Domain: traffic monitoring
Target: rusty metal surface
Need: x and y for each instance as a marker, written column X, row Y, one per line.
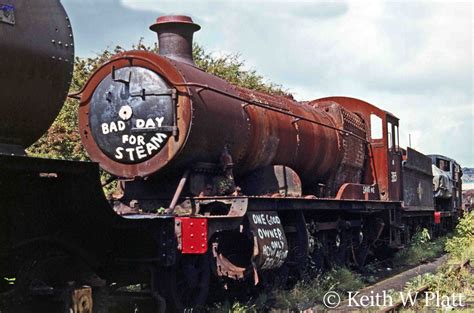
column 376, row 170
column 214, row 117
column 266, row 203
column 350, row 191
column 253, row 139
column 353, row 156
column 82, row 300
column 327, row 142
column 225, row 268
column 279, row 139
column 276, row 181
column 235, row 206
column 36, row 62
column 175, row 36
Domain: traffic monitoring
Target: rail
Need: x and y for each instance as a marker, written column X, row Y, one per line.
column 397, row 305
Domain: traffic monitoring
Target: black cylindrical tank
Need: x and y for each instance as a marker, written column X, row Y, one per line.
column 36, row 63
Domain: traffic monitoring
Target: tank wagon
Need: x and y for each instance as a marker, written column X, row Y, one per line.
column 216, row 182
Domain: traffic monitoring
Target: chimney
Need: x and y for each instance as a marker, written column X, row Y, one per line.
column 175, row 37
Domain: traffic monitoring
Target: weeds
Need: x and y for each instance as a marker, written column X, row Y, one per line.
column 306, row 294
column 461, row 246
column 303, row 295
column 421, row 249
column 450, row 279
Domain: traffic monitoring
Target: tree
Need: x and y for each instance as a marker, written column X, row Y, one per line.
column 62, row 140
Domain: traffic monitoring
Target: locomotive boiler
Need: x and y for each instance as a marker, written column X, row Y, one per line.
column 144, row 114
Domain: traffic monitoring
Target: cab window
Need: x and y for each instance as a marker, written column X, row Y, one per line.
column 390, row 135
column 396, row 138
column 376, row 130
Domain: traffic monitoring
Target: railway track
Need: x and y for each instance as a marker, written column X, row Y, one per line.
column 366, row 299
column 377, row 295
column 399, row 304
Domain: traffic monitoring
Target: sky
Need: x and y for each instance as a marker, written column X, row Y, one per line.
column 411, row 58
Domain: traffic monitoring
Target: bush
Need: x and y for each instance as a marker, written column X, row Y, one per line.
column 461, row 246
column 420, row 249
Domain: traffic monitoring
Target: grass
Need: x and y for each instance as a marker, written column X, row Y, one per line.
column 421, row 249
column 449, row 279
column 307, row 294
column 304, row 295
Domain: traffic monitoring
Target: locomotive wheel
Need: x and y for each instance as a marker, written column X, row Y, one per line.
column 185, row 285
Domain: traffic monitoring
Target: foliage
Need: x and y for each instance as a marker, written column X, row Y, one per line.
column 235, row 307
column 62, row 140
column 307, row 294
column 421, row 237
column 462, row 244
column 303, row 295
column 450, row 278
column 421, row 249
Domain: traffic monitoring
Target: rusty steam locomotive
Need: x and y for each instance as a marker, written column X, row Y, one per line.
column 216, row 182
